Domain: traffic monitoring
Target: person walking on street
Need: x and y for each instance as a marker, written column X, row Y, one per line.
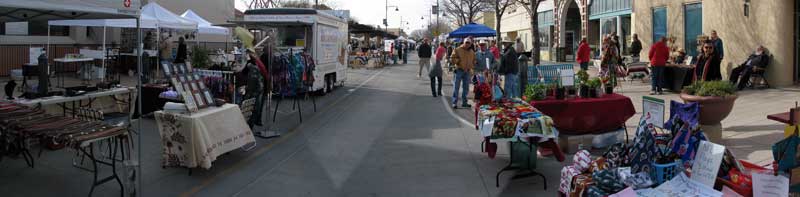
column 485, row 58
column 707, row 66
column 464, row 59
column 405, row 52
column 584, row 54
column 719, row 48
column 509, row 67
column 424, row 53
column 435, row 73
column 636, row 47
column 393, row 53
column 659, row 53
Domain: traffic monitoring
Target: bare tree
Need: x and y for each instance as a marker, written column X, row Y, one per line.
column 500, row 7
column 464, row 11
column 323, row 5
column 531, row 6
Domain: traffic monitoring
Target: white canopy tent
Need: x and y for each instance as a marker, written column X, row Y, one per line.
column 153, row 16
column 203, row 26
column 45, row 10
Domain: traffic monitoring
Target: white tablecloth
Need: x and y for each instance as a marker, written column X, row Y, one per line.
column 197, row 139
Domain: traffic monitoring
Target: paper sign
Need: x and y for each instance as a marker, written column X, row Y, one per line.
column 487, row 126
column 706, row 163
column 567, row 77
column 653, row 109
column 627, row 192
column 768, row 185
column 650, row 192
column 728, row 192
column 683, row 186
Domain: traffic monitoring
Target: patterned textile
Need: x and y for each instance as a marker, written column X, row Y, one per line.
column 608, row 181
column 567, row 173
column 198, row 139
column 637, row 181
column 685, row 144
column 599, row 164
column 580, row 184
column 616, row 155
column 643, row 152
column 688, row 113
column 596, row 191
column 582, row 160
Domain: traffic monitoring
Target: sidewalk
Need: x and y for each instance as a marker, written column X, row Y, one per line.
column 746, row 131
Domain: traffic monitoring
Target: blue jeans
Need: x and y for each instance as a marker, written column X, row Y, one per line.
column 657, row 78
column 462, row 79
column 512, row 86
column 585, row 66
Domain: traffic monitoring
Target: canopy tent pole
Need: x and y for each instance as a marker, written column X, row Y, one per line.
column 158, row 48
column 139, row 133
column 47, row 49
column 105, row 52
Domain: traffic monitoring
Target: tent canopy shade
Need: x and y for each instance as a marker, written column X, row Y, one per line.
column 152, row 16
column 474, row 30
column 28, row 10
column 203, row 26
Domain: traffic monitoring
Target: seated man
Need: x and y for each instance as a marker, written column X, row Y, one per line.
column 757, row 62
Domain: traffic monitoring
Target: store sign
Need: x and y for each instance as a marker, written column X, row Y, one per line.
column 653, row 109
column 706, row 163
column 280, row 18
column 765, row 184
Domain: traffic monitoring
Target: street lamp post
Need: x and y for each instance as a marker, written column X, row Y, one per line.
column 386, row 17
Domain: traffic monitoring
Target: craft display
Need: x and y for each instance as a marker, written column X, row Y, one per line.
column 678, row 162
column 189, row 85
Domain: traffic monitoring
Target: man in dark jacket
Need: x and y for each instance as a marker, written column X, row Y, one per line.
column 636, row 46
column 510, row 68
column 757, row 62
column 424, row 53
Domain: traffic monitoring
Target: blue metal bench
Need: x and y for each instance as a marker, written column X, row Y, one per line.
column 546, row 74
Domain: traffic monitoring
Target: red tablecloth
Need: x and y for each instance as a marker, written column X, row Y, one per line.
column 587, row 115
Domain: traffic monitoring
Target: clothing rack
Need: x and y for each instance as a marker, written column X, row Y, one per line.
column 226, row 76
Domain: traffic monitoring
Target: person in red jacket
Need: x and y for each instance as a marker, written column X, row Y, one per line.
column 659, row 53
column 584, row 53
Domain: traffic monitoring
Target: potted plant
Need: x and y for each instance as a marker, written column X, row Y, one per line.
column 607, row 85
column 716, row 99
column 582, row 78
column 593, row 85
column 536, row 92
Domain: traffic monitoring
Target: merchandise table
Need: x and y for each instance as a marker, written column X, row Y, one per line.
column 192, row 140
column 59, row 65
column 588, row 115
column 523, row 128
column 90, row 97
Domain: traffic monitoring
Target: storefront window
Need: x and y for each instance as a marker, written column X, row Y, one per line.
column 544, row 38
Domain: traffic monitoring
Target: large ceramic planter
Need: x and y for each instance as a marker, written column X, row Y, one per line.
column 713, row 109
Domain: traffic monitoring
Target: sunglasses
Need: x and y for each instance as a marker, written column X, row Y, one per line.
column 708, row 47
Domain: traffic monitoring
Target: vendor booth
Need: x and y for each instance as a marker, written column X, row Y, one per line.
column 28, row 123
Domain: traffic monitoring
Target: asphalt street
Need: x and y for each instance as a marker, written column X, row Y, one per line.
column 381, row 134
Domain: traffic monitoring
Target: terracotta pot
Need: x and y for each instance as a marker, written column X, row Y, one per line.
column 713, row 109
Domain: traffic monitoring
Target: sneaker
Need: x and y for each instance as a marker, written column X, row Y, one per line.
column 455, row 106
column 466, row 105
column 653, row 92
column 434, row 95
column 660, row 92
column 440, row 94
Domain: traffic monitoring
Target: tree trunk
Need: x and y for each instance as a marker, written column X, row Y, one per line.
column 498, row 15
column 535, row 33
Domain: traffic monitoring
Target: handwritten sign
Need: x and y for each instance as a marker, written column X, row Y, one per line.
column 706, row 163
column 486, row 127
column 650, row 192
column 768, row 185
column 627, row 192
column 683, row 186
column 653, row 109
column 728, row 192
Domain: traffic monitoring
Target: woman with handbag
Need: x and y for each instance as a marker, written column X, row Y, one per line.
column 609, row 61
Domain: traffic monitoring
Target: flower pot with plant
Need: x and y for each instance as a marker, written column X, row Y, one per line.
column 716, row 99
column 593, row 86
column 536, row 92
column 582, row 78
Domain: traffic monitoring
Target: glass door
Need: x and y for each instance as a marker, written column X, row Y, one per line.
column 659, row 23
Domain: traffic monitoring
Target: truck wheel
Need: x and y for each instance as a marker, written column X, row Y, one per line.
column 329, row 84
